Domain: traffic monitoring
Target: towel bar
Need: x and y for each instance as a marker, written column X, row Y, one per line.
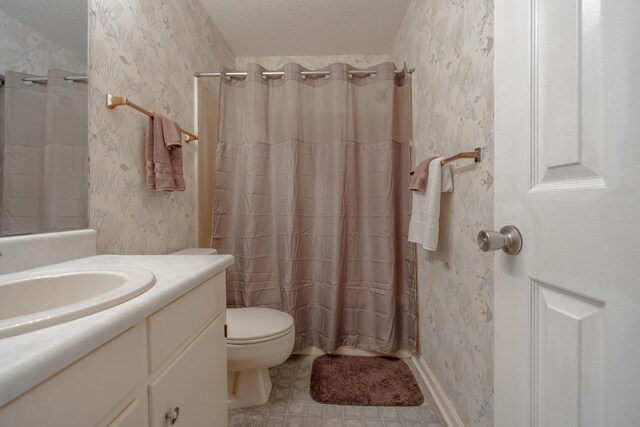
column 475, row 154
column 116, row 101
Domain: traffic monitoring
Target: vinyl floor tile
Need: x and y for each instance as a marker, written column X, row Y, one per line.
column 290, row 405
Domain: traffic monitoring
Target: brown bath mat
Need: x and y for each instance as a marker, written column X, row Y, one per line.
column 363, row 381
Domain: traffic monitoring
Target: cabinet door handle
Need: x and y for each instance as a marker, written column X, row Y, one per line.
column 173, row 415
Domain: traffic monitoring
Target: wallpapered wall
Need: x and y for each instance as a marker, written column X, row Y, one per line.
column 25, row 50
column 147, row 50
column 450, row 45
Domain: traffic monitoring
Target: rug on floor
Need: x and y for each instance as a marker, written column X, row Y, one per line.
column 363, row 381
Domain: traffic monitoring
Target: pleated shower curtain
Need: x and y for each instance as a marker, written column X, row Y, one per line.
column 43, row 153
column 312, row 200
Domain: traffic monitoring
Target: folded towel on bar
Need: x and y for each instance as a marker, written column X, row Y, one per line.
column 420, row 176
column 163, row 152
column 425, row 210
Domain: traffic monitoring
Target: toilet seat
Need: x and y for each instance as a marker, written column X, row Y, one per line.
column 252, row 325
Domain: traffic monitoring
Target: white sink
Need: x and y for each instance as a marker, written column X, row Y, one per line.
column 44, row 299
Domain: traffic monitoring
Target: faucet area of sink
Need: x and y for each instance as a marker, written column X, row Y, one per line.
column 43, row 299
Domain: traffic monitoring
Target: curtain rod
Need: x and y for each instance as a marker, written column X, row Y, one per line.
column 230, row 74
column 44, row 79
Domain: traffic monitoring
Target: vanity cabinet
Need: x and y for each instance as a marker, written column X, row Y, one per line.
column 188, row 358
column 172, row 364
column 190, row 392
column 89, row 392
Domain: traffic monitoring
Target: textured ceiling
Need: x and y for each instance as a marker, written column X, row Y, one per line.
column 307, row 27
column 62, row 21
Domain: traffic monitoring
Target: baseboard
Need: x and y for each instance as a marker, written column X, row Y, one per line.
column 448, row 412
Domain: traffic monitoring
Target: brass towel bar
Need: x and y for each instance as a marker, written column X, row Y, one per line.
column 116, row 101
column 475, row 155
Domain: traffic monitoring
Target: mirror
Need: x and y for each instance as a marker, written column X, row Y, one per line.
column 43, row 116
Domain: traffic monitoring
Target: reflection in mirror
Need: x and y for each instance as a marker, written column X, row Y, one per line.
column 43, row 116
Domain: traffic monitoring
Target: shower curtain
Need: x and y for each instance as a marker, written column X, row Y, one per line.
column 43, row 149
column 312, row 200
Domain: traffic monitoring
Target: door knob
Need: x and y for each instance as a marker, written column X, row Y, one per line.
column 173, row 415
column 508, row 239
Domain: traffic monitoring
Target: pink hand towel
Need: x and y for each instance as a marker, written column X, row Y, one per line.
column 148, row 154
column 172, row 135
column 420, row 176
column 164, row 154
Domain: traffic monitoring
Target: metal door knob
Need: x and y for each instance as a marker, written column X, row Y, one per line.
column 508, row 239
column 173, row 415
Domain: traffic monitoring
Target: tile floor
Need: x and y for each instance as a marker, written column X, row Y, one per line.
column 290, row 405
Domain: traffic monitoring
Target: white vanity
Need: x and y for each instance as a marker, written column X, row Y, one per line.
column 158, row 359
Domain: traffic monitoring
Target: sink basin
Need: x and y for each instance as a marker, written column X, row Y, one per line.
column 45, row 299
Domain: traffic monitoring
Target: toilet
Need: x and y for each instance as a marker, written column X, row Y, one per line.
column 257, row 339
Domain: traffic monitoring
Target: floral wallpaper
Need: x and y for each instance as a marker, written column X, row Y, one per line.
column 450, row 43
column 25, row 50
column 311, row 62
column 147, row 50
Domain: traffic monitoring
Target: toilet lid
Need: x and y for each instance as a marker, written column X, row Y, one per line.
column 251, row 323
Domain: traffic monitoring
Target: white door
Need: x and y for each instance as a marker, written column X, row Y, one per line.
column 567, row 169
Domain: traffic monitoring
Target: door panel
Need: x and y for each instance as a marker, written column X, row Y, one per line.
column 558, row 81
column 567, row 347
column 565, row 87
column 567, row 123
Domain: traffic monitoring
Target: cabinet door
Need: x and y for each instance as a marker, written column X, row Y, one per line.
column 86, row 392
column 172, row 327
column 195, row 382
column 132, row 416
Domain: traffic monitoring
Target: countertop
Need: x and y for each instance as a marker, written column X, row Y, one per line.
column 28, row 359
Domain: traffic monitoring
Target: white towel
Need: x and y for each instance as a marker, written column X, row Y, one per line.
column 425, row 210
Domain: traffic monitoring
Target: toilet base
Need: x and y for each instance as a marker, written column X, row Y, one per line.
column 248, row 388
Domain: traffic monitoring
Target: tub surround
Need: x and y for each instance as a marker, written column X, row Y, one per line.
column 30, row 358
